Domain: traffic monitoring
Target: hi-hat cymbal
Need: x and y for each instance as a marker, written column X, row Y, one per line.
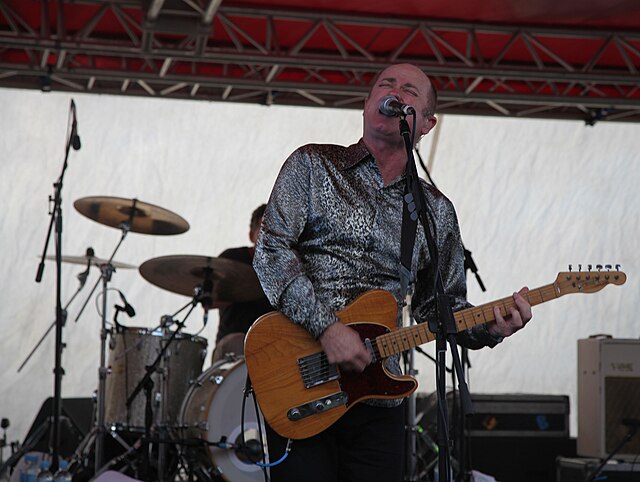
column 93, row 260
column 143, row 217
column 232, row 281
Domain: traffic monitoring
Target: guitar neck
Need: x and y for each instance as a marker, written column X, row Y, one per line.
column 410, row 337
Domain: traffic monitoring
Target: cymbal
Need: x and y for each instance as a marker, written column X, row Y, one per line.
column 94, row 261
column 144, row 218
column 233, row 281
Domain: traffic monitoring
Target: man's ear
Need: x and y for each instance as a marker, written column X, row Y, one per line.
column 430, row 124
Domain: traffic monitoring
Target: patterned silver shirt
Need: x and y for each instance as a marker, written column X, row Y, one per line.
column 331, row 231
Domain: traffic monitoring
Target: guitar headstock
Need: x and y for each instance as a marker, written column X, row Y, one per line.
column 588, row 281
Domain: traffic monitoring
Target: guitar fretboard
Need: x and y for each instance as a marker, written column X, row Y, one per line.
column 410, row 337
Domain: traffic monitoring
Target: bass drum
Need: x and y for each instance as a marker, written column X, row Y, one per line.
column 212, row 411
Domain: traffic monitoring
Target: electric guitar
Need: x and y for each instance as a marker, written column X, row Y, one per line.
column 301, row 394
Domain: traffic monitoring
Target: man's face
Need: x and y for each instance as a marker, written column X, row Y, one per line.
column 410, row 86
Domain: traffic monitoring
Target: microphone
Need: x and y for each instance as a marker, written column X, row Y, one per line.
column 82, row 277
column 392, row 107
column 252, row 448
column 128, row 309
column 75, row 138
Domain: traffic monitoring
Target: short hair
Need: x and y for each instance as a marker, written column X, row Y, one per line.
column 256, row 216
column 432, row 95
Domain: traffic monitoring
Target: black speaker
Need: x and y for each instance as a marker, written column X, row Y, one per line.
column 519, row 459
column 75, row 422
column 581, row 469
column 512, row 437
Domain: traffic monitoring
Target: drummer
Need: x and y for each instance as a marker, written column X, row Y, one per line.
column 236, row 318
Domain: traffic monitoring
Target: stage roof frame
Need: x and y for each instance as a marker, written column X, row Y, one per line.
column 504, row 58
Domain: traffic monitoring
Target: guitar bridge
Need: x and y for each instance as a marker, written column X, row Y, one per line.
column 315, row 370
column 316, row 406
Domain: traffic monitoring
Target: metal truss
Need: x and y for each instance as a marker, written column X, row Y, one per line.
column 199, row 49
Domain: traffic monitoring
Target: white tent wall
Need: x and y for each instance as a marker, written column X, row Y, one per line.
column 532, row 196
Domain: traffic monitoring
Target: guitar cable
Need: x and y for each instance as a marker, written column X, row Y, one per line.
column 248, row 390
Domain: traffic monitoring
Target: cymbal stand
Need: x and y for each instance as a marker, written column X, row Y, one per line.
column 106, row 271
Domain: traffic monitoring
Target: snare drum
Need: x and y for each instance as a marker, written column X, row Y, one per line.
column 130, row 352
column 212, row 409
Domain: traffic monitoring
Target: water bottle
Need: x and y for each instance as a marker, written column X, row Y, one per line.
column 45, row 475
column 29, row 471
column 62, row 475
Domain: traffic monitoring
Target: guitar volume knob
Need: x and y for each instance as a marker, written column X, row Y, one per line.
column 295, row 414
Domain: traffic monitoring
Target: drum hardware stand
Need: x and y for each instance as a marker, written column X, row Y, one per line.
column 147, row 384
column 106, row 271
column 56, row 219
column 82, row 278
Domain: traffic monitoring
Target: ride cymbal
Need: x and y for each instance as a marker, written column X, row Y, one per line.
column 230, row 281
column 142, row 217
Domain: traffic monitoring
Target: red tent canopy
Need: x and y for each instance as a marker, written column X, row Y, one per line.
column 557, row 59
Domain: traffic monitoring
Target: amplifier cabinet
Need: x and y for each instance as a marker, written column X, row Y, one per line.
column 505, row 415
column 570, row 469
column 608, row 392
column 522, row 415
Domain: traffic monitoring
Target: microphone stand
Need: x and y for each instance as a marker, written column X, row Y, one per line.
column 630, row 434
column 443, row 326
column 463, row 440
column 56, row 220
column 146, row 384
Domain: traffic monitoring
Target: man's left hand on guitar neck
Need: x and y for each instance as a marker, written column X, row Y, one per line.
column 505, row 326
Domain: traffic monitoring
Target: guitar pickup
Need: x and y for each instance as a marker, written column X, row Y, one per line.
column 317, row 406
column 315, row 370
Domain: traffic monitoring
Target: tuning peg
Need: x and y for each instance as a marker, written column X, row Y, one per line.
column 589, row 266
column 570, row 268
column 617, row 267
column 579, row 267
column 599, row 267
column 608, row 267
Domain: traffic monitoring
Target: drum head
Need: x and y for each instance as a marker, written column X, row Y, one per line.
column 213, row 410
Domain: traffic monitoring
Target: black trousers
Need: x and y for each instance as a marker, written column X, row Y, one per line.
column 366, row 444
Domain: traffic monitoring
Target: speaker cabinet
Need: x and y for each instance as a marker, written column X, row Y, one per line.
column 75, row 422
column 608, row 392
column 580, row 470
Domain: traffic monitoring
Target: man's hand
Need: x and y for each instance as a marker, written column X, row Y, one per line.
column 507, row 326
column 344, row 347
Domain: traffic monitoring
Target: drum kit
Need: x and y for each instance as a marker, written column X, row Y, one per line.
column 158, row 415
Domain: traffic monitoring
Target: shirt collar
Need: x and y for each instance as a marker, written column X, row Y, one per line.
column 354, row 154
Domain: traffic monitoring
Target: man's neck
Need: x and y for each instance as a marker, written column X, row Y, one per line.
column 390, row 158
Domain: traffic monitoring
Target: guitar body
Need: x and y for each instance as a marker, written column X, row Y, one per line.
column 274, row 345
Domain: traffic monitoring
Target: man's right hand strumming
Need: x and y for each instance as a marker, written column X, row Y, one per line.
column 344, row 347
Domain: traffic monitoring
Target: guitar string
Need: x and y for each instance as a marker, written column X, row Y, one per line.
column 317, row 365
column 393, row 342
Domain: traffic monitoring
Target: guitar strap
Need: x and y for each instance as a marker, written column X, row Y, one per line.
column 407, row 238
